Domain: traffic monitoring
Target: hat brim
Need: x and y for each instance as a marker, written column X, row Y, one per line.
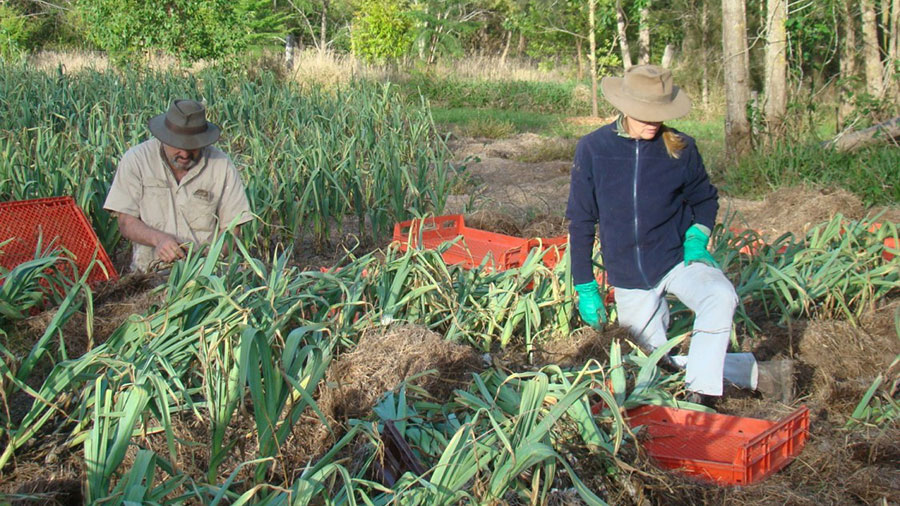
column 157, row 125
column 644, row 111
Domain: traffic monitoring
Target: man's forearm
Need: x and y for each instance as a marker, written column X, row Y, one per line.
column 134, row 229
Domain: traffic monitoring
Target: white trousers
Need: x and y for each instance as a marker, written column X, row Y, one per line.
column 707, row 292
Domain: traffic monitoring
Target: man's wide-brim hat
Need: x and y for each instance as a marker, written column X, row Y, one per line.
column 646, row 93
column 184, row 126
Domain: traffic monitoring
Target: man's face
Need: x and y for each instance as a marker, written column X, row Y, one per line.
column 181, row 159
column 638, row 129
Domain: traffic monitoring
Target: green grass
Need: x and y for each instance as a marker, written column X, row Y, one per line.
column 521, row 121
column 542, row 97
column 870, row 173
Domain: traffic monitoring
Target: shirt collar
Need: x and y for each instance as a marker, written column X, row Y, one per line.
column 620, row 127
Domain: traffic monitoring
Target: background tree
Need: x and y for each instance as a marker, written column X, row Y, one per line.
column 737, row 90
column 776, row 64
column 871, row 51
column 847, row 77
column 382, row 30
column 188, row 29
column 622, row 31
column 644, row 33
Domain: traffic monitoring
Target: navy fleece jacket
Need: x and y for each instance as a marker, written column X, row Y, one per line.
column 642, row 200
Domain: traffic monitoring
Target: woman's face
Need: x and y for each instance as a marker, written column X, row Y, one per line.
column 642, row 129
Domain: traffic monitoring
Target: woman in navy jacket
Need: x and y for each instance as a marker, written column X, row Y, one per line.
column 644, row 188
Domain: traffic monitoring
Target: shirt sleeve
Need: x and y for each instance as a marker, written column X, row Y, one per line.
column 582, row 213
column 234, row 203
column 699, row 192
column 126, row 191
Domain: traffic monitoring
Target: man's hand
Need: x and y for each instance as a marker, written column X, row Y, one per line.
column 695, row 241
column 590, row 305
column 167, row 248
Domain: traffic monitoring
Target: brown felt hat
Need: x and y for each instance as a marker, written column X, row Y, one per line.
column 646, row 93
column 184, row 126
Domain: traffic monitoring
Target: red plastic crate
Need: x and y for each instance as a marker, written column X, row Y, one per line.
column 889, row 244
column 56, row 220
column 721, row 448
column 504, row 251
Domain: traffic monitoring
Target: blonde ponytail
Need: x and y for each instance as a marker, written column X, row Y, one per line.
column 674, row 142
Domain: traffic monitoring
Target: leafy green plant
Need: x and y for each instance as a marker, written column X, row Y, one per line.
column 186, row 29
column 382, row 30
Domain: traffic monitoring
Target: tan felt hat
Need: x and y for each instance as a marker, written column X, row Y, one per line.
column 184, row 126
column 646, row 93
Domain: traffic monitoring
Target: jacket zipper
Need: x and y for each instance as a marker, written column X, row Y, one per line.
column 634, row 197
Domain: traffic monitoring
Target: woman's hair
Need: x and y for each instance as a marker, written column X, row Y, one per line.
column 674, row 142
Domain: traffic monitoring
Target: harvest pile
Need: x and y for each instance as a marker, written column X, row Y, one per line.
column 249, row 379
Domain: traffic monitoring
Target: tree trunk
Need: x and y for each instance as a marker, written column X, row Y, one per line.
column 871, row 53
column 520, row 48
column 506, row 47
column 579, row 58
column 621, row 24
column 847, row 35
column 704, row 54
column 737, row 90
column 644, row 34
column 892, row 78
column 776, row 64
column 887, row 131
column 323, row 40
column 668, row 56
column 289, row 44
column 592, row 57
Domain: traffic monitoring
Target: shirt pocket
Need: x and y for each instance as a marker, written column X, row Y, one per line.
column 156, row 199
column 201, row 211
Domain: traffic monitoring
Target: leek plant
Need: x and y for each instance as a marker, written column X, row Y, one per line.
column 312, row 160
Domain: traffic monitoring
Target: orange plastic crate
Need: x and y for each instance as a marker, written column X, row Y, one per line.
column 56, row 220
column 503, row 251
column 721, row 448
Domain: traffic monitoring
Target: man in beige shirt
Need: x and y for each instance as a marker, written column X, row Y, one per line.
column 176, row 188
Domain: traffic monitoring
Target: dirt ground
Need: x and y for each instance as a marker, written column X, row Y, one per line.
column 835, row 361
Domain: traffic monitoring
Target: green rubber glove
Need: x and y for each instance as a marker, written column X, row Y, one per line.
column 590, row 305
column 695, row 240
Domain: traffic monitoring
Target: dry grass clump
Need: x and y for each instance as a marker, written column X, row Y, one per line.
column 494, row 221
column 579, row 347
column 847, row 358
column 795, row 210
column 493, row 68
column 549, row 149
column 546, row 225
column 590, row 121
column 114, row 302
column 329, row 70
column 384, row 358
column 73, row 62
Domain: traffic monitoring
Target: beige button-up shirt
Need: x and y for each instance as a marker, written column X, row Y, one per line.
column 208, row 198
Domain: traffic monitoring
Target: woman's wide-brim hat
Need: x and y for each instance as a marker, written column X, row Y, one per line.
column 184, row 126
column 646, row 93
